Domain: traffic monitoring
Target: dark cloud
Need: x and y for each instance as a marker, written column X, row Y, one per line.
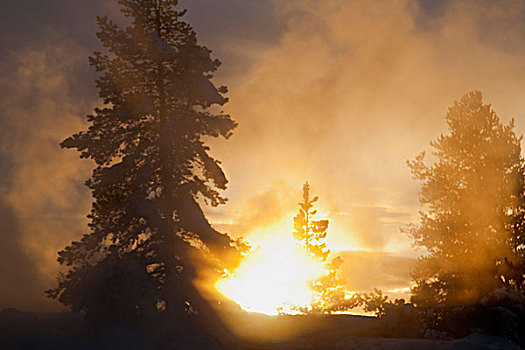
column 233, row 20
column 233, row 29
column 29, row 22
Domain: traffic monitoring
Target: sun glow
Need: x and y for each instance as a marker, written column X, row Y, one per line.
column 275, row 274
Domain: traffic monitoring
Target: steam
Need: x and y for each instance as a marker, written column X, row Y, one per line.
column 43, row 193
column 341, row 94
column 352, row 90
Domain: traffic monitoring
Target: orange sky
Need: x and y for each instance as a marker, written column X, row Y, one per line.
column 350, row 92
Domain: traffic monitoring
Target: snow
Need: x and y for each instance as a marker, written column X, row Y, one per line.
column 475, row 341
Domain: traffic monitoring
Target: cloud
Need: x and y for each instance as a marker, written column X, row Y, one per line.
column 237, row 31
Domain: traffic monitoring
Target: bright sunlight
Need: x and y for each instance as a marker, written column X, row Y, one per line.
column 289, row 270
column 275, row 274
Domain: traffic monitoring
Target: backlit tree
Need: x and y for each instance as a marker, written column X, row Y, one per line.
column 328, row 290
column 147, row 229
column 472, row 218
column 310, row 232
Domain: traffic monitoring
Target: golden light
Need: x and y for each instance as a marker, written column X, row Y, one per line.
column 275, row 274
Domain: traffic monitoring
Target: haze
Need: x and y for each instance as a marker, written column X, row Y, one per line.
column 339, row 93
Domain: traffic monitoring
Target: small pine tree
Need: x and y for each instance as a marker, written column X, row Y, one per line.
column 310, row 232
column 328, row 290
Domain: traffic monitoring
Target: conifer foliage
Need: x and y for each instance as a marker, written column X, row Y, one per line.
column 310, row 232
column 473, row 209
column 328, row 290
column 152, row 166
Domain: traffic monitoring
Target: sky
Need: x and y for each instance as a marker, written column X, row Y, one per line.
column 339, row 93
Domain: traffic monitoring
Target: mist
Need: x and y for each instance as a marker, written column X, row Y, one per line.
column 43, row 199
column 338, row 93
column 353, row 90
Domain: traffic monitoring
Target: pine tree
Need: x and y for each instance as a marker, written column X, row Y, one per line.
column 309, row 231
column 472, row 221
column 147, row 229
column 328, row 290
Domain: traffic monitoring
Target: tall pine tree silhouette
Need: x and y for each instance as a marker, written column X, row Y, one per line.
column 152, row 165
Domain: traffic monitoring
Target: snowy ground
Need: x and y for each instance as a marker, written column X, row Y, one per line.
column 474, row 342
column 64, row 331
